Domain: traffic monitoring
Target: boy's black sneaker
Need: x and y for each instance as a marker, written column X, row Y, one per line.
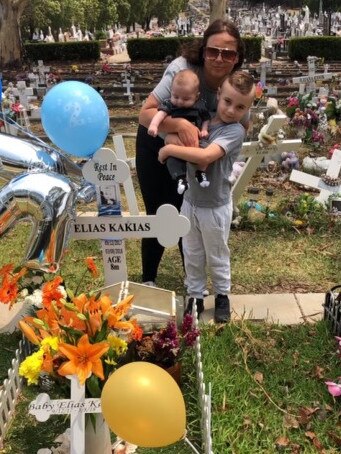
column 182, row 185
column 201, row 178
column 222, row 312
column 199, row 303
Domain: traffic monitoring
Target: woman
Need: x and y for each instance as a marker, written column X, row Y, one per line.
column 220, row 52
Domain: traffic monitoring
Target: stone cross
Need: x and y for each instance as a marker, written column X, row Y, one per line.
column 264, row 67
column 256, row 151
column 103, row 169
column 23, row 92
column 77, row 406
column 127, row 83
column 42, row 71
column 316, row 182
column 309, row 80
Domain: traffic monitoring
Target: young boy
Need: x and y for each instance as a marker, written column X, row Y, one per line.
column 210, row 210
column 185, row 103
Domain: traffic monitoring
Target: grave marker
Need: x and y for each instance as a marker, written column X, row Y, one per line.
column 313, row 181
column 42, row 71
column 104, row 168
column 256, row 151
column 23, row 93
column 77, row 406
column 308, row 82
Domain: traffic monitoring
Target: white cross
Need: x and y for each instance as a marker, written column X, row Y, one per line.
column 256, row 151
column 264, row 66
column 43, row 407
column 42, row 70
column 317, row 182
column 311, row 78
column 23, row 92
column 128, row 85
column 103, row 169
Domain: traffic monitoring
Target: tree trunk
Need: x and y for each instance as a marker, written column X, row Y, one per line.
column 217, row 9
column 10, row 39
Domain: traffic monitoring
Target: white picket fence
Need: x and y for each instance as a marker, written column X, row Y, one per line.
column 11, row 388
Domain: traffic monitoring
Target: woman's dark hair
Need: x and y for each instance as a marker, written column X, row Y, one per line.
column 193, row 51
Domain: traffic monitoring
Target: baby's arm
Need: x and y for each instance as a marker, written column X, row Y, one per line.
column 204, row 129
column 154, row 125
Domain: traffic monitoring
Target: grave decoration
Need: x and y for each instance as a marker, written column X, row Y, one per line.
column 84, row 337
column 314, row 119
column 327, row 184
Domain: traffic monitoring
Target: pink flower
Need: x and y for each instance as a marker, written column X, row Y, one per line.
column 334, row 388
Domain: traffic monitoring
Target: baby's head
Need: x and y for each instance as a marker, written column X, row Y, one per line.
column 185, row 88
column 235, row 96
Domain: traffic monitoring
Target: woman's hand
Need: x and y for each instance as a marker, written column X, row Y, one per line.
column 163, row 154
column 188, row 133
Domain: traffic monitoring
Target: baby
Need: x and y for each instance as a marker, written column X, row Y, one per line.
column 185, row 103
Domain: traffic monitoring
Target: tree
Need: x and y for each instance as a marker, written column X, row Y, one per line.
column 217, row 9
column 10, row 37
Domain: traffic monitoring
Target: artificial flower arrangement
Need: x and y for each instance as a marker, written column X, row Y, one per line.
column 86, row 334
column 314, row 117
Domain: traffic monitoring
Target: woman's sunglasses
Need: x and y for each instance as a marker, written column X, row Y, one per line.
column 227, row 55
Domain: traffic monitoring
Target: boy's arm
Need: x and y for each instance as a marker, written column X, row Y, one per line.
column 196, row 155
column 154, row 124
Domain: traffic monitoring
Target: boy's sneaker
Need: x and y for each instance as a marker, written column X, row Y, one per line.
column 199, row 303
column 222, row 312
column 201, row 178
column 182, row 185
column 205, row 293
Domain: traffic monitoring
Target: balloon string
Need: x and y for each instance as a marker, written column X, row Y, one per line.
column 191, row 445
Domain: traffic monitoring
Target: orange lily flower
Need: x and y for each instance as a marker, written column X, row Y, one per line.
column 117, row 312
column 29, row 332
column 90, row 263
column 51, row 318
column 84, row 359
column 51, row 291
column 9, row 288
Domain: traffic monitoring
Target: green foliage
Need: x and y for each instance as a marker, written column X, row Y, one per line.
column 327, row 47
column 78, row 50
column 158, row 48
column 153, row 49
column 253, row 47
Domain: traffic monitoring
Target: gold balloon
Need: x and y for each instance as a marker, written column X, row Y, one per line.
column 143, row 405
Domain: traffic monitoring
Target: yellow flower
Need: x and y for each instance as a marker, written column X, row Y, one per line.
column 119, row 346
column 51, row 341
column 30, row 368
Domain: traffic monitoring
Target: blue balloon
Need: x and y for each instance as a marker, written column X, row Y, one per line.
column 75, row 118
